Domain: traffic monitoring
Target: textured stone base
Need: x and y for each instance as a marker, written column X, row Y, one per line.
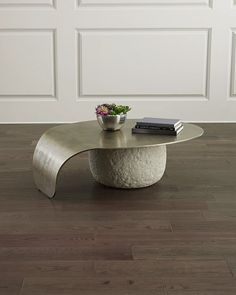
column 128, row 168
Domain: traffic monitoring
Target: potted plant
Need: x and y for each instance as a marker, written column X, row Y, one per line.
column 111, row 117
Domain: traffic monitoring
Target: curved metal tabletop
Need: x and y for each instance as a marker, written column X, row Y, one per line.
column 60, row 143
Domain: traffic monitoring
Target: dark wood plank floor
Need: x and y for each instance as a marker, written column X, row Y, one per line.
column 177, row 237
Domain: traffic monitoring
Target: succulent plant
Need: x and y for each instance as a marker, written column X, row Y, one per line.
column 111, row 109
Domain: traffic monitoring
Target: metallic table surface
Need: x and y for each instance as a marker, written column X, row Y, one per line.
column 60, row 143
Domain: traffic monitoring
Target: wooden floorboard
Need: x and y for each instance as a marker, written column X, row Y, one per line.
column 177, row 237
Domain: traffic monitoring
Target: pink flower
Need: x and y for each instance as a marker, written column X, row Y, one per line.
column 102, row 110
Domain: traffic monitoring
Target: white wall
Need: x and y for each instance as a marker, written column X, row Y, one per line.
column 166, row 58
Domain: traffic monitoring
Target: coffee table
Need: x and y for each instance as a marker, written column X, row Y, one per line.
column 117, row 159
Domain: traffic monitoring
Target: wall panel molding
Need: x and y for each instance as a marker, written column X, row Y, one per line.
column 27, row 3
column 179, row 3
column 199, row 90
column 233, row 68
column 28, row 67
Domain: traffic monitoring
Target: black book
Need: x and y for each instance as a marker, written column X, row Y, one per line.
column 160, row 127
column 160, row 122
column 156, row 132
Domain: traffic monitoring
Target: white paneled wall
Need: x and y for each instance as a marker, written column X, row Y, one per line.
column 27, row 63
column 166, row 58
column 233, row 72
column 125, row 70
column 144, row 2
column 16, row 3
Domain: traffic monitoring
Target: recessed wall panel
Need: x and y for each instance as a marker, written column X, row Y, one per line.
column 233, row 71
column 26, row 3
column 143, row 63
column 144, row 2
column 27, row 63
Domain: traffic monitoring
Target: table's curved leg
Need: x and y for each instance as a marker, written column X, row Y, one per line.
column 49, row 157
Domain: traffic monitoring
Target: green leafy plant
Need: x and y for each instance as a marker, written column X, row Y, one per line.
column 112, row 109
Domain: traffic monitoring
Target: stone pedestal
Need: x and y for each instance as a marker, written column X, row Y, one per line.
column 128, row 168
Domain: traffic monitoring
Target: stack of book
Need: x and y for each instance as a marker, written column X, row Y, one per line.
column 158, row 126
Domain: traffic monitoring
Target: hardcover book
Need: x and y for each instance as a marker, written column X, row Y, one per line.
column 157, row 132
column 159, row 127
column 158, row 122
